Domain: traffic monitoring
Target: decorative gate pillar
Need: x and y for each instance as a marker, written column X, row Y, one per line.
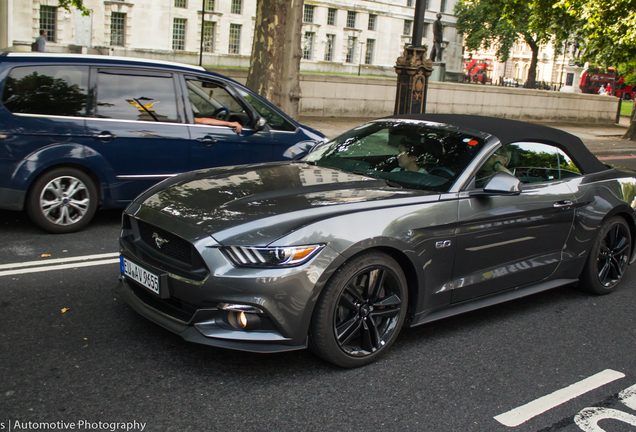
column 413, row 69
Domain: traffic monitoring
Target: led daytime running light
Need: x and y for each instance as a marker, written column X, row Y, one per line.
column 271, row 256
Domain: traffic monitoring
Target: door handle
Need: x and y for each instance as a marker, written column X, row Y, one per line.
column 563, row 204
column 104, row 136
column 206, row 140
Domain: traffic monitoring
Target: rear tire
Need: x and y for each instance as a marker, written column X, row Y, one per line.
column 62, row 200
column 360, row 311
column 608, row 257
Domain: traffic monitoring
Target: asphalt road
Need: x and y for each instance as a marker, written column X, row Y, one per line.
column 71, row 351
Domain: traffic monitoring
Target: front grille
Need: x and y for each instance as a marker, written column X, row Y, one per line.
column 171, row 245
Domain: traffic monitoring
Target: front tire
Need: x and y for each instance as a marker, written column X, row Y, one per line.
column 608, row 257
column 62, row 200
column 360, row 311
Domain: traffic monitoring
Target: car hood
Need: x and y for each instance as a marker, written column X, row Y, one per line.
column 256, row 204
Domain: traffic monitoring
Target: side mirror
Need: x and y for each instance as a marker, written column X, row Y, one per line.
column 260, row 124
column 500, row 184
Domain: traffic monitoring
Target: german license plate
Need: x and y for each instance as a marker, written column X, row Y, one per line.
column 140, row 274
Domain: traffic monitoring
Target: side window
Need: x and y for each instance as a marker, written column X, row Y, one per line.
column 530, row 163
column 126, row 96
column 274, row 120
column 209, row 99
column 48, row 90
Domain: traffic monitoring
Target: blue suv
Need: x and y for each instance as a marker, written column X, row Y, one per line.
column 80, row 132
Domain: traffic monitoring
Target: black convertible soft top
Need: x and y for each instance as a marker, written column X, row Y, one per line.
column 511, row 131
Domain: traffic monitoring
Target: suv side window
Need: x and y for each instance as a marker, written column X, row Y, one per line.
column 209, row 99
column 47, row 90
column 129, row 96
column 274, row 120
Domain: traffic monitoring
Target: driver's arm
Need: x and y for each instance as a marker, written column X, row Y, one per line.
column 216, row 122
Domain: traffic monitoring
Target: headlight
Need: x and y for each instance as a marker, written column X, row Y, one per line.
column 287, row 256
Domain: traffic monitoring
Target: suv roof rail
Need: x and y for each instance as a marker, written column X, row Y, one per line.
column 101, row 57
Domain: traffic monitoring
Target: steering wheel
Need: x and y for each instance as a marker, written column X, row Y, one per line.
column 225, row 116
column 442, row 172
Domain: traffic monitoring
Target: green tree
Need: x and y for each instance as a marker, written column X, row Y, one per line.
column 608, row 34
column 503, row 22
column 79, row 4
column 276, row 52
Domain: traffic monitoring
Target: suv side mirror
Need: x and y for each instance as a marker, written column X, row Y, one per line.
column 500, row 183
column 260, row 124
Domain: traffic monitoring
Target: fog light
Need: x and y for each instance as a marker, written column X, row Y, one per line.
column 244, row 321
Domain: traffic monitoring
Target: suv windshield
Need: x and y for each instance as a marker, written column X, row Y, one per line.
column 415, row 154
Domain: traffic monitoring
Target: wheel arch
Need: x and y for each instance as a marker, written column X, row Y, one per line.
column 94, row 178
column 403, row 261
column 627, row 213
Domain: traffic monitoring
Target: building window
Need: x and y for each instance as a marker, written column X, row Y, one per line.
column 408, row 24
column 180, row 3
column 308, row 46
column 48, row 18
column 209, row 5
column 331, row 42
column 372, row 19
column 117, row 28
column 425, row 30
column 426, row 4
column 351, row 19
column 368, row 57
column 235, row 39
column 308, row 15
column 442, row 6
column 351, row 49
column 236, row 6
column 331, row 16
column 409, row 3
column 209, row 29
column 178, row 34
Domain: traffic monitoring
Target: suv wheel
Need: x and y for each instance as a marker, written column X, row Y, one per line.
column 62, row 200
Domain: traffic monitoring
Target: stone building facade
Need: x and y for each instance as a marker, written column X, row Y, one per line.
column 339, row 36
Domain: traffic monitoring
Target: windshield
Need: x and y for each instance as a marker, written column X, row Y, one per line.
column 418, row 155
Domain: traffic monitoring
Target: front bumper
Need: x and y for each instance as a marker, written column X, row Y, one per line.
column 204, row 327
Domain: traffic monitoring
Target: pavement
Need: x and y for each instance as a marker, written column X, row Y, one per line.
column 604, row 140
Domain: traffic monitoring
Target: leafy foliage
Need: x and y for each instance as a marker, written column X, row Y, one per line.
column 485, row 23
column 608, row 32
column 79, row 4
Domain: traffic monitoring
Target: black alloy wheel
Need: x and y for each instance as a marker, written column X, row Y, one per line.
column 608, row 257
column 361, row 311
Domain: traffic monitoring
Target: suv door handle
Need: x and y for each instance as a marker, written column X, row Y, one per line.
column 563, row 204
column 104, row 136
column 207, row 140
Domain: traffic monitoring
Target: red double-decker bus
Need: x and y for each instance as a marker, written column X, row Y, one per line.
column 593, row 78
column 477, row 70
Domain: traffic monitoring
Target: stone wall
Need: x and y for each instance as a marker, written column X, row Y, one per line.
column 353, row 96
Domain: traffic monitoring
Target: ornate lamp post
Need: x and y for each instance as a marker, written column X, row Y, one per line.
column 413, row 69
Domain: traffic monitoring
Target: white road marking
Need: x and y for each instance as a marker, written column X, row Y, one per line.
column 58, row 260
column 522, row 414
column 628, row 397
column 587, row 420
column 58, row 264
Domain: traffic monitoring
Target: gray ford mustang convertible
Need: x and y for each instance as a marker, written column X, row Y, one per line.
column 400, row 221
